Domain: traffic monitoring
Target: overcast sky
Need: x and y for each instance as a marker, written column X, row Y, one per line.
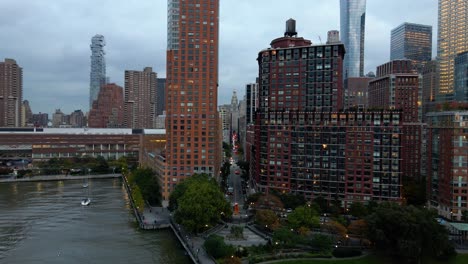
column 50, row 39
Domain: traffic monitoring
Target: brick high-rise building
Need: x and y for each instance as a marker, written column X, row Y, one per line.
column 11, row 93
column 140, row 99
column 356, row 92
column 399, row 86
column 302, row 142
column 447, row 167
column 296, row 75
column 107, row 110
column 40, row 120
column 77, row 119
column 452, row 39
column 192, row 119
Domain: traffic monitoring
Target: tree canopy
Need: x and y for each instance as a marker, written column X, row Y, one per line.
column 408, row 232
column 303, row 216
column 149, row 185
column 199, row 203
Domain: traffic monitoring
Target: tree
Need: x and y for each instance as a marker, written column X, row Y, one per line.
column 408, row 232
column 100, row 165
column 285, row 237
column 201, row 205
column 237, row 232
column 225, row 171
column 245, row 167
column 227, row 148
column 292, row 200
column 303, row 216
column 414, row 191
column 267, row 218
column 216, row 247
column 138, row 198
column 232, row 260
column 336, row 228
column 358, row 228
column 465, row 216
column 357, row 209
column 269, row 201
column 321, row 242
column 322, row 203
column 149, row 185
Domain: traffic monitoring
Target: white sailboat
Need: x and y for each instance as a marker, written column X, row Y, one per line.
column 87, row 200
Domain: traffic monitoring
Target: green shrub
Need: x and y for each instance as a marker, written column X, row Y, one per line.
column 342, row 252
column 216, row 247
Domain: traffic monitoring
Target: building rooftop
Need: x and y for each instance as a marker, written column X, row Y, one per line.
column 81, row 131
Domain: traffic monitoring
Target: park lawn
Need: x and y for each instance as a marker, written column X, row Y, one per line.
column 372, row 259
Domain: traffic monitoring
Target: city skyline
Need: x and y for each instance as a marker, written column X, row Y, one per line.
column 136, row 38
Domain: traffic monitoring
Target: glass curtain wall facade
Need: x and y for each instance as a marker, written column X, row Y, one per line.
column 452, row 40
column 413, row 42
column 98, row 67
column 192, row 119
column 352, row 27
column 461, row 77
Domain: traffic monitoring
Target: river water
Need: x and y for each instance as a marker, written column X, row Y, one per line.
column 44, row 222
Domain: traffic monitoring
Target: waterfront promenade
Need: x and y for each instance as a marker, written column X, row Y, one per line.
column 61, row 177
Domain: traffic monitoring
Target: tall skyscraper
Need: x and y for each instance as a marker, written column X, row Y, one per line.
column 352, row 27
column 430, row 81
column 98, row 67
column 452, row 40
column 160, row 96
column 251, row 92
column 461, row 77
column 26, row 114
column 413, row 42
column 140, row 99
column 11, row 93
column 192, row 119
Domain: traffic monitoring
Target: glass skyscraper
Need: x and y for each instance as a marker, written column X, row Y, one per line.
column 98, row 67
column 452, row 40
column 352, row 27
column 413, row 42
column 461, row 77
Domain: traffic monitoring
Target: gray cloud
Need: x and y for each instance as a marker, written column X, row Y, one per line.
column 50, row 39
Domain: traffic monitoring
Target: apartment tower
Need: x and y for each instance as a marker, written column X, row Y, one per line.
column 107, row 110
column 452, row 40
column 192, row 119
column 11, row 93
column 352, row 27
column 140, row 99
